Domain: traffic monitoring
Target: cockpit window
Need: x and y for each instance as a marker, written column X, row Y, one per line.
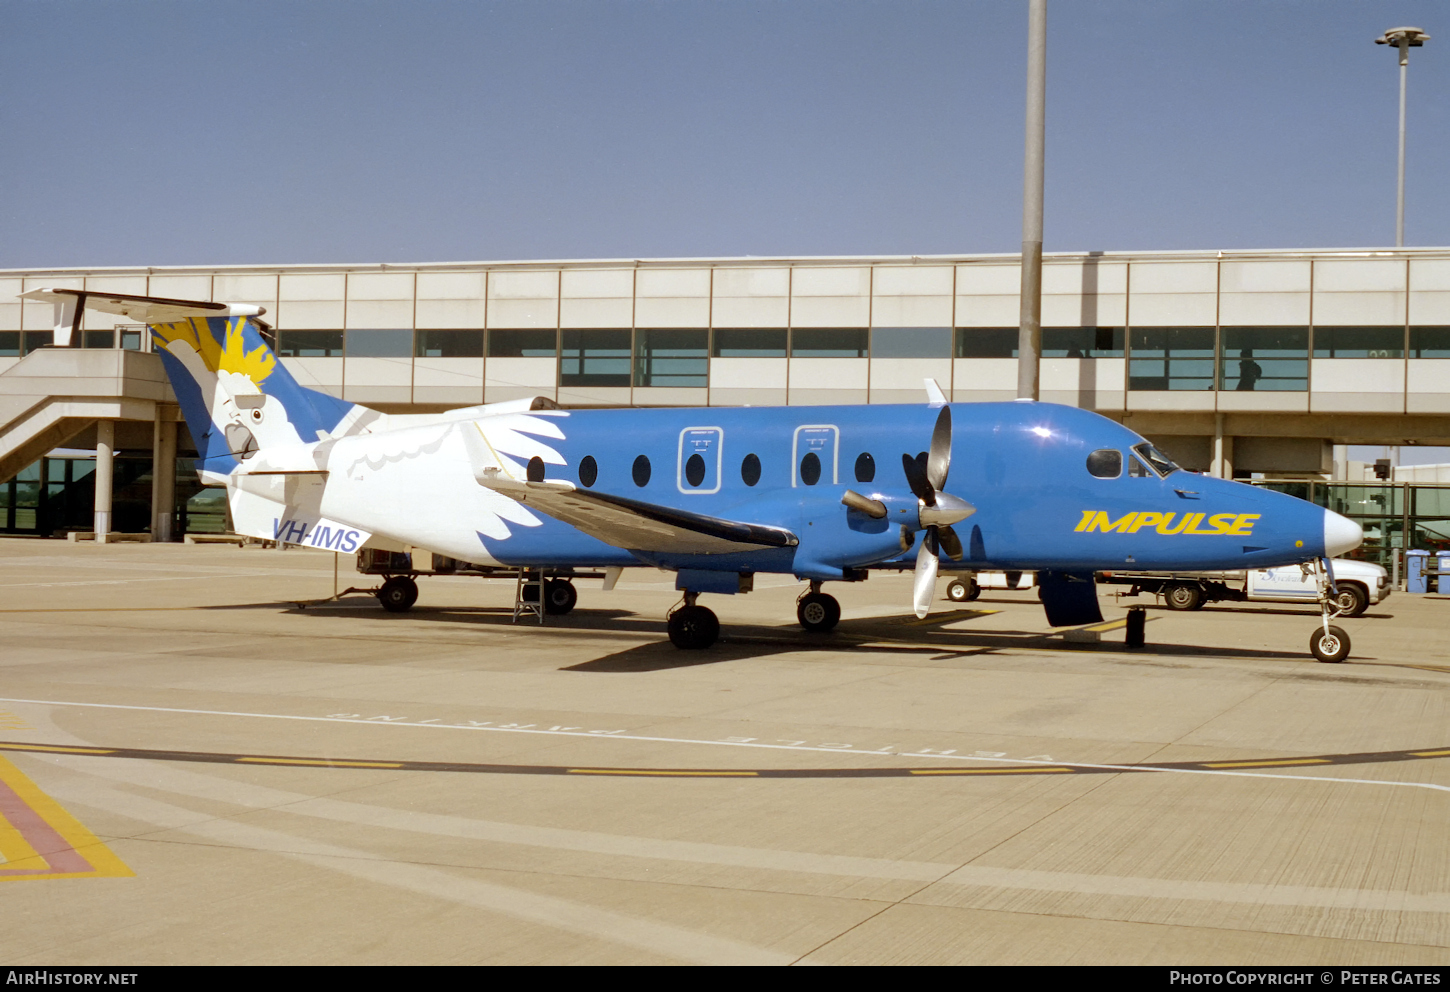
column 1160, row 462
column 1137, row 470
column 1105, row 463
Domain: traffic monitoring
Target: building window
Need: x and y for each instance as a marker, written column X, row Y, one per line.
column 131, row 336
column 448, row 344
column 309, row 344
column 595, row 357
column 30, row 340
column 1168, row 358
column 750, row 342
column 379, row 344
column 98, row 339
column 829, row 342
column 1083, row 342
column 1430, row 342
column 9, row 344
column 1264, row 359
column 911, row 342
column 1359, row 342
column 523, row 344
column 672, row 357
column 986, row 342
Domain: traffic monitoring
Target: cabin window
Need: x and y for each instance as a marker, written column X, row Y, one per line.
column 1105, row 463
column 810, row 469
column 750, row 470
column 865, row 467
column 641, row 471
column 695, row 470
column 588, row 471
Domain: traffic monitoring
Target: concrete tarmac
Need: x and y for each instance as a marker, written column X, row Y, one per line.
column 196, row 770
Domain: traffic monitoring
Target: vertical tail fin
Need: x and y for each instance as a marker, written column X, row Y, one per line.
column 236, row 396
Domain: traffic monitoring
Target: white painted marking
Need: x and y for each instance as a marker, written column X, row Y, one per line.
column 621, row 735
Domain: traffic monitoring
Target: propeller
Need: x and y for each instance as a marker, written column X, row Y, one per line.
column 926, row 475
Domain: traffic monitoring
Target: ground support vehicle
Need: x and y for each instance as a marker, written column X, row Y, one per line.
column 1359, row 585
column 399, row 591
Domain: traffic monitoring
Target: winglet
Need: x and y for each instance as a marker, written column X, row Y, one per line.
column 934, row 396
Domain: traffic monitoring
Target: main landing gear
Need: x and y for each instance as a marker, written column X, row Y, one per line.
column 693, row 627
column 1328, row 643
column 817, row 611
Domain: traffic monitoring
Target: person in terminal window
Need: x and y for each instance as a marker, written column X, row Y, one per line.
column 1249, row 370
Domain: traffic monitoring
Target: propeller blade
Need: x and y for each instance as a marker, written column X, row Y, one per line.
column 950, row 543
column 917, row 480
column 939, row 462
column 924, row 584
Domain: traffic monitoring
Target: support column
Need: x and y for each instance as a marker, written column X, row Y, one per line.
column 1223, row 451
column 165, row 481
column 156, row 474
column 1341, row 462
column 105, row 457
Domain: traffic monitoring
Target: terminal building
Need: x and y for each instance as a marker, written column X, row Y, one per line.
column 1237, row 363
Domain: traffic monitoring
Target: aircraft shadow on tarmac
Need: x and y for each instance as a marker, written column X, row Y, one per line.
column 888, row 634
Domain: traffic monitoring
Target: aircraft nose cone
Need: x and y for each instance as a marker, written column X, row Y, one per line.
column 1340, row 534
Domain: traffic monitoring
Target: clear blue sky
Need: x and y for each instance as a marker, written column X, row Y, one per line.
column 164, row 132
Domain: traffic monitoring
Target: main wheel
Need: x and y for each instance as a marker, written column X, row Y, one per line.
column 1331, row 645
column 398, row 594
column 1351, row 601
column 693, row 627
column 963, row 592
column 818, row 612
column 1183, row 596
column 559, row 597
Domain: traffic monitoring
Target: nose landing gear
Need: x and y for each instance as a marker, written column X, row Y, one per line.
column 1328, row 643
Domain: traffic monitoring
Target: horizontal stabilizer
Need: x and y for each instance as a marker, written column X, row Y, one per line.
column 71, row 303
column 635, row 525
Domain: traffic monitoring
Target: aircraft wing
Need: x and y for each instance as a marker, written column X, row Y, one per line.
column 638, row 526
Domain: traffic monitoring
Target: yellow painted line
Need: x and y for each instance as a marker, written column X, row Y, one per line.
column 985, row 771
column 1431, row 754
column 57, row 749
column 1266, row 764
column 103, row 862
column 1103, row 628
column 681, row 774
column 321, row 762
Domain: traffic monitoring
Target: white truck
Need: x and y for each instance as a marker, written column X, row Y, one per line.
column 1361, row 584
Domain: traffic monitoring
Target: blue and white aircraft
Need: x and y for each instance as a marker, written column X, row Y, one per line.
column 713, row 494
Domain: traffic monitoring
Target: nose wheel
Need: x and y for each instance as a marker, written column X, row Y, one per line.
column 1328, row 643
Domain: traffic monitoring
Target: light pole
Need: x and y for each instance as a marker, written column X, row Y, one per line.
column 1029, row 331
column 1404, row 39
